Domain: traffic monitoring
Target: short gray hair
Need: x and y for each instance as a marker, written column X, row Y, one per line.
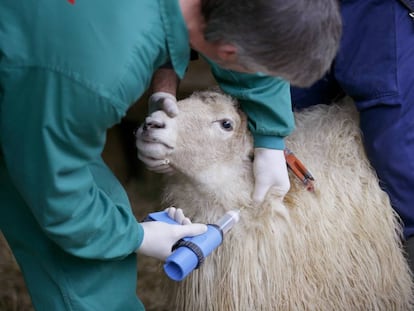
column 294, row 39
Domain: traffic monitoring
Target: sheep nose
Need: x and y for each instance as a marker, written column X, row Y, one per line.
column 153, row 124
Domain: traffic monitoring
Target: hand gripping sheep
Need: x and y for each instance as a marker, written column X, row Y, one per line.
column 337, row 248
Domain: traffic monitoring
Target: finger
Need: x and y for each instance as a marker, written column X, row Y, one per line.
column 191, row 230
column 170, row 107
column 156, row 101
column 164, row 139
column 179, row 216
column 156, row 119
column 151, row 162
column 282, row 189
column 156, row 166
column 171, row 211
column 155, row 104
column 260, row 192
column 152, row 150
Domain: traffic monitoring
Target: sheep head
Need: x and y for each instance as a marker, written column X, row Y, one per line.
column 211, row 145
column 213, row 136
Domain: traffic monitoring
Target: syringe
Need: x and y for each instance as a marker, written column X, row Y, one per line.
column 229, row 219
column 189, row 253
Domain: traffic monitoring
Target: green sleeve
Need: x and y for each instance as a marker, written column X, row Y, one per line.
column 266, row 102
column 53, row 133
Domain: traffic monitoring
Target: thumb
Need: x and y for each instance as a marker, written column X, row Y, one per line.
column 191, row 230
column 170, row 107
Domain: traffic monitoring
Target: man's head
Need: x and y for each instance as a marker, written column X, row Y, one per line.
column 296, row 39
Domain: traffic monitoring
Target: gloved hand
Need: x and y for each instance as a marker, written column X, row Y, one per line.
column 159, row 237
column 270, row 171
column 155, row 140
column 163, row 101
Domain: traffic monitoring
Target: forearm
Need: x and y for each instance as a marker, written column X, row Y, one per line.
column 163, row 90
column 165, row 80
column 50, row 158
column 266, row 102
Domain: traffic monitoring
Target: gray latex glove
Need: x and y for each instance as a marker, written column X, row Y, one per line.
column 155, row 141
column 163, row 101
column 159, row 237
column 270, row 171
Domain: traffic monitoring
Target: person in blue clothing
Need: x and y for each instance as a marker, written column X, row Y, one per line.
column 375, row 66
column 69, row 70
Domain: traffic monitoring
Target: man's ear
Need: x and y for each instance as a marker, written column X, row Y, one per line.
column 227, row 53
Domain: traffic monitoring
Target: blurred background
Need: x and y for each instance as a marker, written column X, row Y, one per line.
column 143, row 188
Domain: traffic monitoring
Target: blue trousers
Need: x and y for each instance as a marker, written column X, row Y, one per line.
column 375, row 66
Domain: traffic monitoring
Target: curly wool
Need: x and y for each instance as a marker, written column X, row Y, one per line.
column 339, row 249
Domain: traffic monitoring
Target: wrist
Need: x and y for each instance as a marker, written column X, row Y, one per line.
column 269, row 141
column 159, row 95
column 140, row 236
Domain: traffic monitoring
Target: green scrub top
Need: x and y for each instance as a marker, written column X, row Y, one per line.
column 68, row 72
column 266, row 102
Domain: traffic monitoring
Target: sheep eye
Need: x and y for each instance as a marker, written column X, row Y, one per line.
column 226, row 125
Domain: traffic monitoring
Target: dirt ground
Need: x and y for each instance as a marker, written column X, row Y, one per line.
column 143, row 189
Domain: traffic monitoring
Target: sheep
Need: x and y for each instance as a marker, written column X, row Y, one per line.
column 337, row 248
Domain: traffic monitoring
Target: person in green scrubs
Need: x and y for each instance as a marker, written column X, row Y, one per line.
column 70, row 69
